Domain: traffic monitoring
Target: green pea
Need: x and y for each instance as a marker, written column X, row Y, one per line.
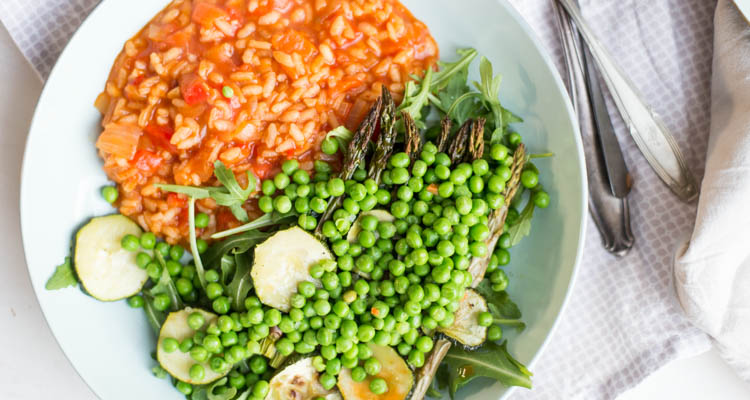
column 130, row 243
column 366, row 333
column 260, row 389
column 529, row 179
column 403, row 348
column 372, row 366
column 496, row 184
column 281, row 180
column 221, row 305
column 359, row 174
column 136, row 301
column 142, row 260
column 265, row 203
column 184, row 388
column 327, row 380
column 329, row 146
column 541, row 199
column 196, row 320
column 484, row 318
column 161, row 247
column 399, row 175
column 494, row 333
column 197, row 372
column 499, row 278
column 268, row 187
column 416, row 358
column 442, row 172
column 498, row 152
column 282, row 204
column 162, row 302
column 366, row 239
column 358, row 374
column 201, row 220
column 258, row 364
column 478, row 249
column 109, row 194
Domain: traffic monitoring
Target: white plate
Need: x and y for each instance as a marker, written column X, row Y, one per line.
column 109, row 344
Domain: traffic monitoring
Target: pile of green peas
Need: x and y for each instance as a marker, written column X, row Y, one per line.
column 394, row 285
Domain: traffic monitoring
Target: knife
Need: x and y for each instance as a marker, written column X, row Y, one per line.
column 617, row 171
column 650, row 135
column 610, row 214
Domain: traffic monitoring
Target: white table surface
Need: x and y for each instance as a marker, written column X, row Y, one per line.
column 33, row 367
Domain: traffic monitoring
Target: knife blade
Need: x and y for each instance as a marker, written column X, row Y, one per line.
column 617, row 171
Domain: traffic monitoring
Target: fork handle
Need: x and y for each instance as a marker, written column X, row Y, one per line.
column 648, row 131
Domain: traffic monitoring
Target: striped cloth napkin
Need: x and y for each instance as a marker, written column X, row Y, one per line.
column 622, row 321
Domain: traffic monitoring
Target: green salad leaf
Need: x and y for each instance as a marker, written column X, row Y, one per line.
column 491, row 360
column 241, row 283
column 448, row 69
column 504, row 311
column 63, row 277
column 522, row 226
column 416, row 97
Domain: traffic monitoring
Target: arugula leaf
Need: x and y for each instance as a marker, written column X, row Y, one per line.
column 63, row 277
column 504, row 311
column 489, row 88
column 231, row 195
column 416, row 96
column 447, row 70
column 192, row 191
column 207, row 392
column 263, row 221
column 155, row 317
column 165, row 285
column 491, row 360
column 236, row 195
column 199, row 270
column 241, row 283
column 227, row 267
column 236, row 244
column 522, row 226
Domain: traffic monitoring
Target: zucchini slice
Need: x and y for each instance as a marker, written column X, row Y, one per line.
column 395, row 372
column 299, row 381
column 381, row 215
column 283, row 261
column 465, row 330
column 178, row 363
column 106, row 270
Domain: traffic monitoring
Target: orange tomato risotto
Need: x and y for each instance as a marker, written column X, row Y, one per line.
column 248, row 82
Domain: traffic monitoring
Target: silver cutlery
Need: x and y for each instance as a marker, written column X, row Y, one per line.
column 649, row 133
column 609, row 181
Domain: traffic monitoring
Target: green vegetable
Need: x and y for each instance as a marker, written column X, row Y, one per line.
column 62, row 277
column 110, row 194
column 491, row 360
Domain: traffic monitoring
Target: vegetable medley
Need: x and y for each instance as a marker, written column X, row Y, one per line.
column 383, row 279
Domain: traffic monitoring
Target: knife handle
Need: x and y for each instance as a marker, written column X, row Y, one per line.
column 649, row 133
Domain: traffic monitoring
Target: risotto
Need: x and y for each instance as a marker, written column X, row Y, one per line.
column 250, row 83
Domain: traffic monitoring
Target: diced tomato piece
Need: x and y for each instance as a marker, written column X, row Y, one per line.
column 174, row 200
column 193, row 89
column 293, row 41
column 160, row 136
column 206, row 13
column 146, row 160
